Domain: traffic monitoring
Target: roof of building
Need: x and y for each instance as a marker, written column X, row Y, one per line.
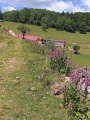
column 29, row 37
column 53, row 40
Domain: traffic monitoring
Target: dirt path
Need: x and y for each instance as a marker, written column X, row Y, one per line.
column 10, row 61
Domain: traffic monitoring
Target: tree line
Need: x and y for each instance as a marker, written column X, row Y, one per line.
column 70, row 22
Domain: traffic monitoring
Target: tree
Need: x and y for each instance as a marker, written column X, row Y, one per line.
column 76, row 48
column 83, row 28
column 70, row 26
column 23, row 29
column 1, row 15
column 24, row 15
column 14, row 16
column 44, row 27
column 60, row 23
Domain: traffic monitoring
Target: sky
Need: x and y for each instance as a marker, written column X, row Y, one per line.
column 53, row 5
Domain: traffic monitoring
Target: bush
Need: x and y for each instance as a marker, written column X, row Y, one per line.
column 74, row 104
column 57, row 59
column 76, row 48
column 44, row 27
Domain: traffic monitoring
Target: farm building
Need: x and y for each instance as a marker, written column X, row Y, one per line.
column 11, row 32
column 31, row 38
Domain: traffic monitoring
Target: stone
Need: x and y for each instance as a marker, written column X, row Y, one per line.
column 58, row 88
column 17, row 77
column 83, row 86
column 88, row 95
column 67, row 79
column 33, row 89
column 88, row 89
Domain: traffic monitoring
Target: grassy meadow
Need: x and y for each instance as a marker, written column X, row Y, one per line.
column 71, row 39
column 30, row 97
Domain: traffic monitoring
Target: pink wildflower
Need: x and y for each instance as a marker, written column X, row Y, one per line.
column 86, row 79
column 60, row 53
column 59, row 76
column 51, row 56
column 72, row 74
column 77, row 73
column 67, row 64
column 70, row 104
column 55, row 50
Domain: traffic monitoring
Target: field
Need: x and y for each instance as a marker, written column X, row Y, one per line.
column 71, row 38
column 30, row 97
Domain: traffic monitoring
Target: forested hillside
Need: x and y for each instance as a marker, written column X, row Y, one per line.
column 70, row 22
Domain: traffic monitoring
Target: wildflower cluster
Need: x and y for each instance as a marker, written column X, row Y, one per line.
column 57, row 59
column 86, row 79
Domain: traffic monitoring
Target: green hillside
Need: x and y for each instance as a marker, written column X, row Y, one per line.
column 28, row 96
column 71, row 39
column 25, row 76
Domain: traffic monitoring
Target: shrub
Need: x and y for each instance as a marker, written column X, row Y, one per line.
column 74, row 104
column 58, row 60
column 44, row 27
column 76, row 48
column 23, row 29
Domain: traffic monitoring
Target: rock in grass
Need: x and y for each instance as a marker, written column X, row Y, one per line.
column 33, row 88
column 88, row 89
column 67, row 79
column 58, row 88
column 17, row 77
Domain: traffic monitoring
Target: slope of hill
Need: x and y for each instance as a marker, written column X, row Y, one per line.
column 50, row 33
column 24, row 95
column 71, row 39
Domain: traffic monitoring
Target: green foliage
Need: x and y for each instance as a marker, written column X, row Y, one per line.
column 1, row 15
column 44, row 27
column 10, row 42
column 23, row 29
column 49, row 45
column 75, row 105
column 76, row 48
column 70, row 26
column 70, row 22
column 82, row 28
column 58, row 62
column 88, row 28
column 60, row 23
column 24, row 15
column 36, row 48
column 68, row 71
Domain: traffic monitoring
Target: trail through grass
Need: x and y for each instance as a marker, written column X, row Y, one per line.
column 27, row 98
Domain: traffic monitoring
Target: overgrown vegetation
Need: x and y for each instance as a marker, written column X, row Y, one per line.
column 76, row 48
column 23, row 29
column 31, row 94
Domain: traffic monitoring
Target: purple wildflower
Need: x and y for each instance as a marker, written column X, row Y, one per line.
column 67, row 64
column 77, row 73
column 70, row 104
column 86, row 79
column 60, row 53
column 51, row 56
column 72, row 74
column 59, row 76
column 55, row 50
